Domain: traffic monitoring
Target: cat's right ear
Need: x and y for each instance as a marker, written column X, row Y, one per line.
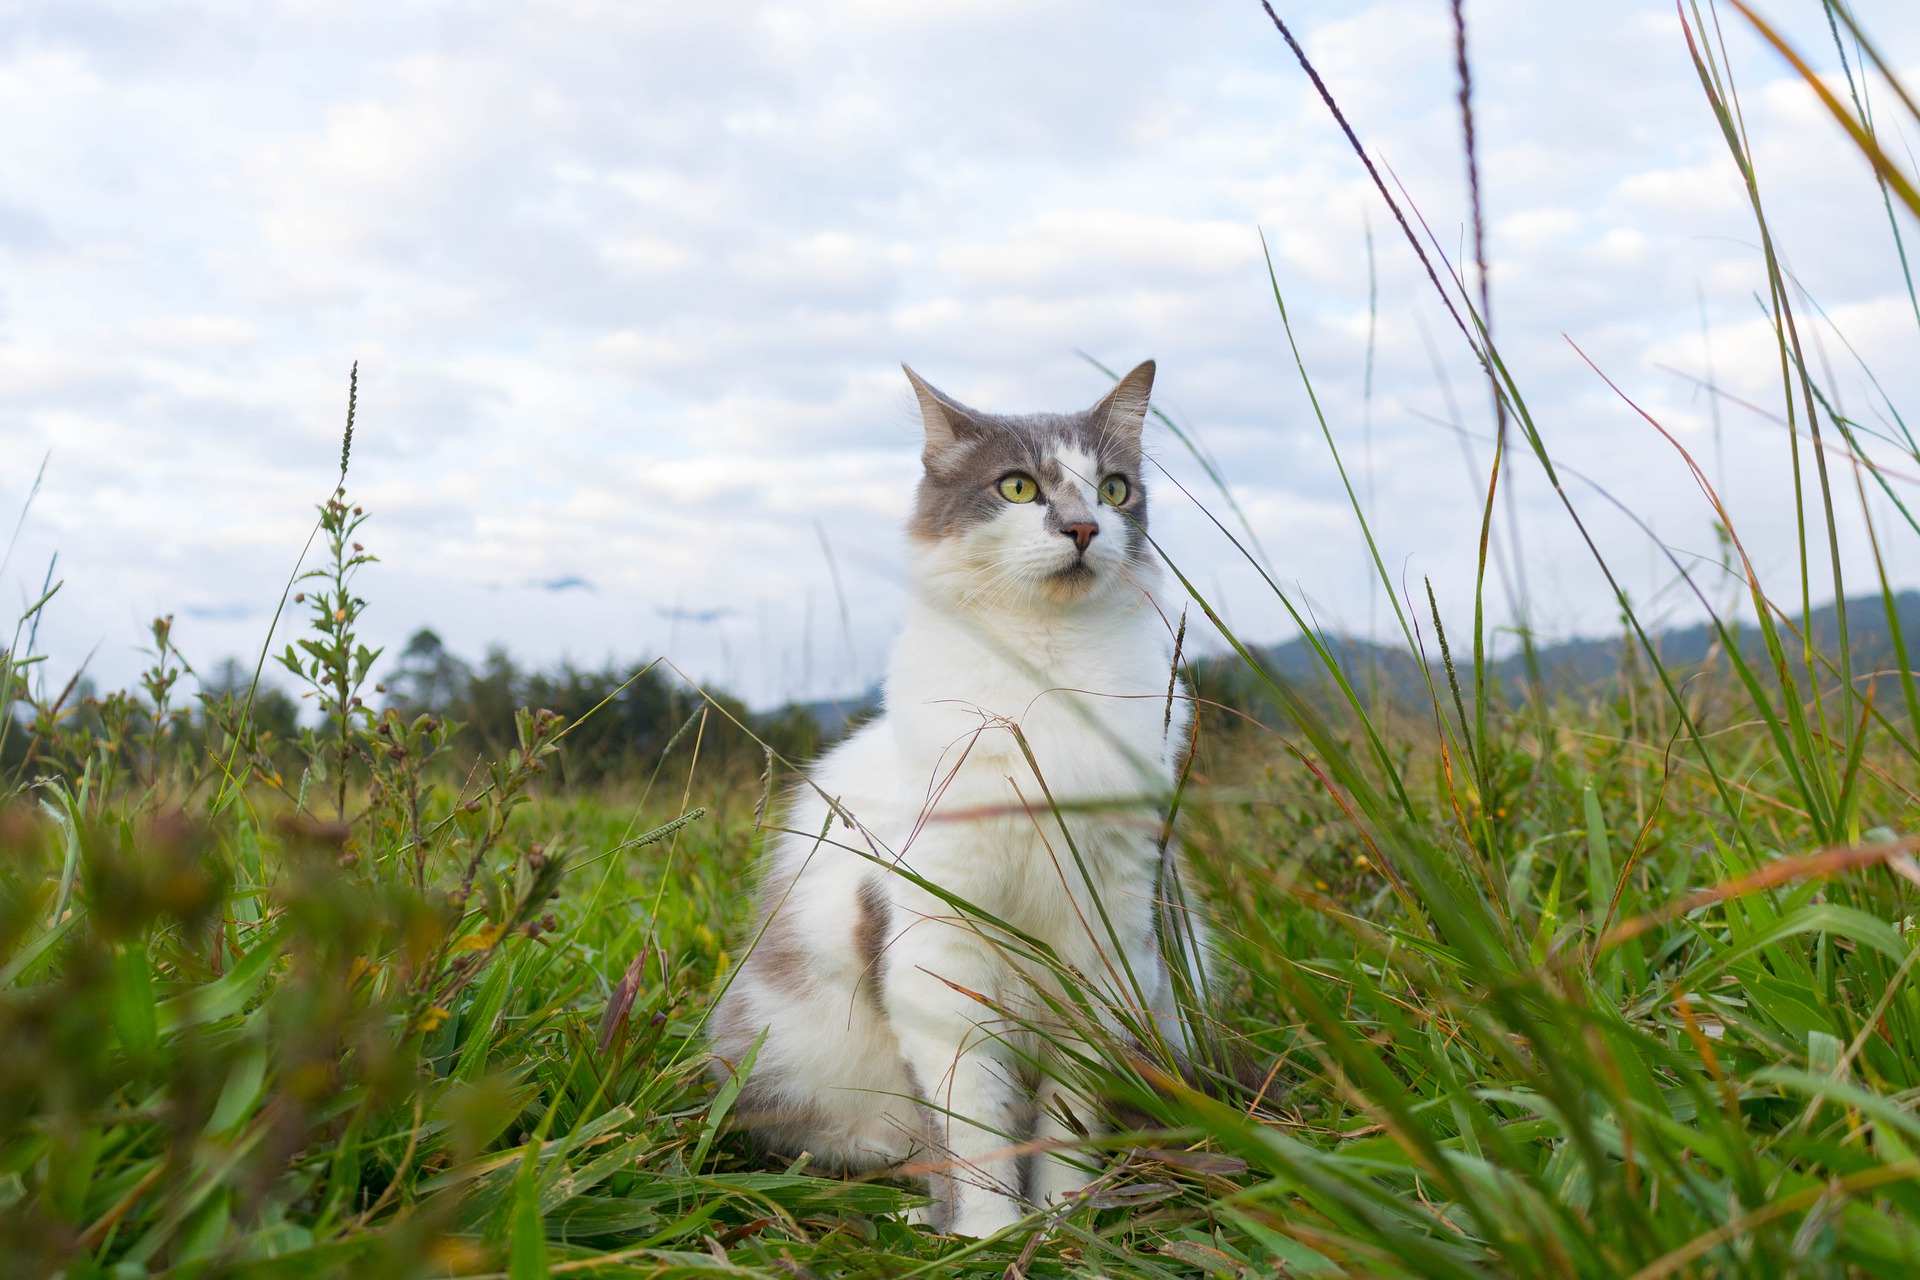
column 945, row 421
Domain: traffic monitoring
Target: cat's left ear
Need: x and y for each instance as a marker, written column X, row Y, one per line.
column 1122, row 412
column 946, row 420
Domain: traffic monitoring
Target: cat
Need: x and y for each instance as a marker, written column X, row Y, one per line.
column 892, row 1017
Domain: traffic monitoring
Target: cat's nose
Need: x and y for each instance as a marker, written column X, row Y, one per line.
column 1082, row 532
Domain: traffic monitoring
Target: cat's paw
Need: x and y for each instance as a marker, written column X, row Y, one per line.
column 1057, row 1181
column 983, row 1218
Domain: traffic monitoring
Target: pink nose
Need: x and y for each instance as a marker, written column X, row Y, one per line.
column 1082, row 533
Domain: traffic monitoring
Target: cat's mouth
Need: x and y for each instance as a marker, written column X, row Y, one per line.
column 1072, row 579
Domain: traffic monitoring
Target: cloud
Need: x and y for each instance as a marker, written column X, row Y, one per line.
column 694, row 615
column 234, row 612
column 630, row 285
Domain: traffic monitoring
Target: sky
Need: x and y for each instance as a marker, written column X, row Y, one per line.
column 629, row 285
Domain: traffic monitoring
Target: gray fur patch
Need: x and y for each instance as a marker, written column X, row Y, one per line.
column 779, row 959
column 875, row 914
column 969, row 452
column 936, row 1157
column 732, row 1027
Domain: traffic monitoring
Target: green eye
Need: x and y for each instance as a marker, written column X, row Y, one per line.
column 1114, row 490
column 1019, row 488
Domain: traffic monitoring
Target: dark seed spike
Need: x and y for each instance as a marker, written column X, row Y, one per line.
column 353, row 399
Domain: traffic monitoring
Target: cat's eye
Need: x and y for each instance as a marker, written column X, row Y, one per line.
column 1114, row 490
column 1018, row 487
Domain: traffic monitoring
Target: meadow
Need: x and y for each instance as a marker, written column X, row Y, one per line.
column 1520, row 977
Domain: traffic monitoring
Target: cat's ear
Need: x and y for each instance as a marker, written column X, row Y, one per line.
column 945, row 420
column 1122, row 412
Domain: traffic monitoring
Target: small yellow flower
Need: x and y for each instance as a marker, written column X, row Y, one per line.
column 458, row 1256
column 482, row 939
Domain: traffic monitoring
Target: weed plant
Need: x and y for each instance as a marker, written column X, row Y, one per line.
column 1597, row 982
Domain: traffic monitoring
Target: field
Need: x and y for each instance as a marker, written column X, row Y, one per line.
column 1521, row 977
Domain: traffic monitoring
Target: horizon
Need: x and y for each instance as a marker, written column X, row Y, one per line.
column 1506, row 650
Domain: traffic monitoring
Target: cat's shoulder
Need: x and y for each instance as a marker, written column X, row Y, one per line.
column 858, row 754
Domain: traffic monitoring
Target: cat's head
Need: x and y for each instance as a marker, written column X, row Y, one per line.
column 1032, row 510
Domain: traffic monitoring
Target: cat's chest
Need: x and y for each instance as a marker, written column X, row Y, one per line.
column 1087, row 732
column 1029, row 776
column 988, row 718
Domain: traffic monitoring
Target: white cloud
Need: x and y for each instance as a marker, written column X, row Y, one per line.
column 630, row 285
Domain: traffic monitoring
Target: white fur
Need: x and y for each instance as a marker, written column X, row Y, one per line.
column 938, row 784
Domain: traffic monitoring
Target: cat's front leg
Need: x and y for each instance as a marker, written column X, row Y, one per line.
column 1062, row 1171
column 959, row 1068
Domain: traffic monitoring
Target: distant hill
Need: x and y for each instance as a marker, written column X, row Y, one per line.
column 1579, row 665
column 835, row 716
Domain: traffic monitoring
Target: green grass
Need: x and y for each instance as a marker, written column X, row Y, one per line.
column 1519, row 982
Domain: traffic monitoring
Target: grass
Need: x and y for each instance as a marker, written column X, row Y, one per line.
column 1535, row 981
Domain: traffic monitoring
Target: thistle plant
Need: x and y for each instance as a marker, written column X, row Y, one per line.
column 332, row 663
column 160, row 718
column 400, row 754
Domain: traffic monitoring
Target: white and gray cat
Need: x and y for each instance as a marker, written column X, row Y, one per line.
column 893, row 1019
